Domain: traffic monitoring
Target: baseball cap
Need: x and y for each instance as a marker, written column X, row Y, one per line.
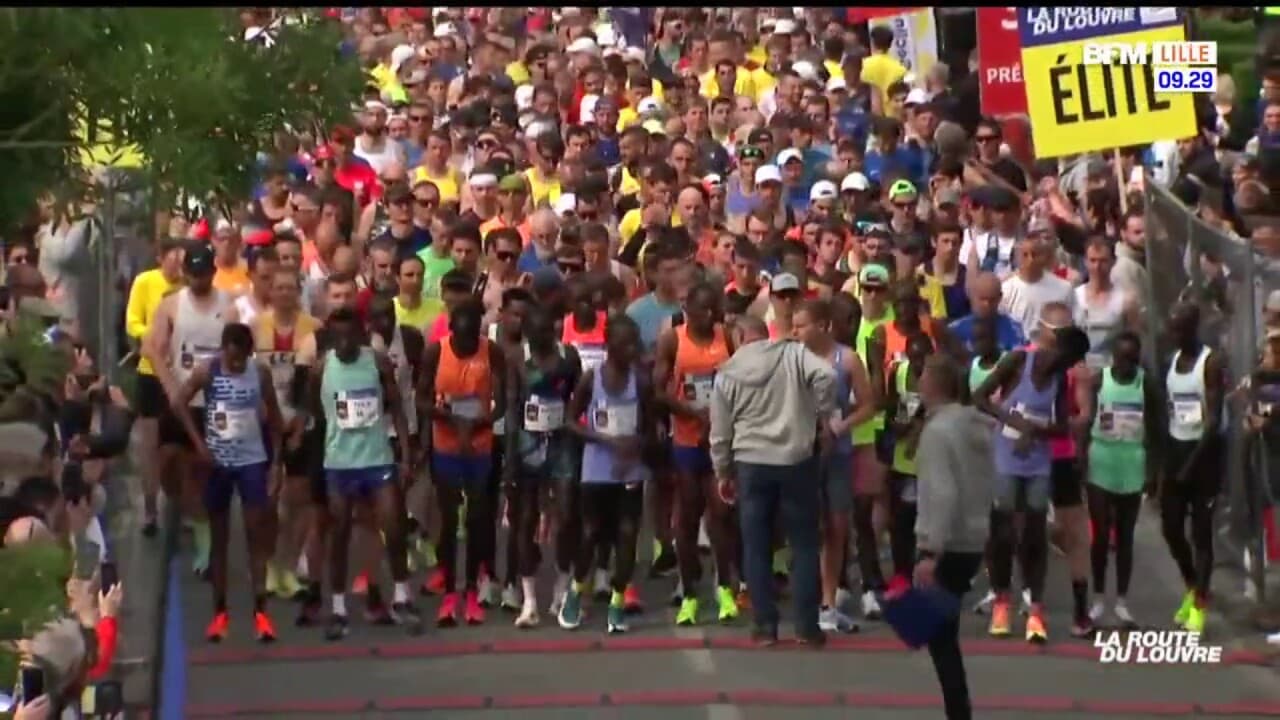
column 948, row 196
column 805, row 70
column 511, row 183
column 198, row 260
column 782, row 282
column 751, row 152
column 788, row 155
column 917, row 96
column 565, row 204
column 654, row 127
column 784, row 26
column 823, row 190
column 902, row 188
column 855, row 181
column 648, row 105
column 837, row 83
column 768, row 173
column 583, row 45
column 400, row 55
column 760, row 136
column 873, row 276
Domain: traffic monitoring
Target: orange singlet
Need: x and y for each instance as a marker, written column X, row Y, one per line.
column 590, row 345
column 693, row 373
column 465, row 385
column 895, row 341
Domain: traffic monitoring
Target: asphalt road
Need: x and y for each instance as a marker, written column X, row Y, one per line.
column 704, row 673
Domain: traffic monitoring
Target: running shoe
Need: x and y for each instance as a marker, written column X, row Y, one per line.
column 870, row 605
column 263, row 628
column 272, row 584
column 486, row 588
column 511, row 599
column 570, row 615
column 764, row 637
column 1125, row 617
column 631, row 601
column 558, row 591
column 728, row 603
column 664, row 560
column 337, row 628
column 688, row 615
column 983, row 606
column 832, row 620
column 376, row 612
column 1000, row 625
column 288, row 586
column 1098, row 610
column 1036, row 633
column 434, row 584
column 600, row 585
column 616, row 621
column 1026, row 603
column 447, row 615
column 406, row 614
column 528, row 616
column 1184, row 610
column 309, row 613
column 474, row 610
column 1195, row 620
column 1082, row 628
column 743, row 598
column 360, row 585
column 217, row 630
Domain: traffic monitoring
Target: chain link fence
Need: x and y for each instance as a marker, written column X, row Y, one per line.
column 1188, row 259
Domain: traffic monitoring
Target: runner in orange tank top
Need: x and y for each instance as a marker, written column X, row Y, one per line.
column 688, row 357
column 584, row 330
column 464, row 376
column 911, row 316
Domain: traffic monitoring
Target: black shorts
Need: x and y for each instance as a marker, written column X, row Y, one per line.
column 1065, row 487
column 171, row 431
column 151, row 401
column 297, row 463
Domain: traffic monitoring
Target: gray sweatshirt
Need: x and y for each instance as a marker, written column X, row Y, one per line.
column 766, row 404
column 955, row 465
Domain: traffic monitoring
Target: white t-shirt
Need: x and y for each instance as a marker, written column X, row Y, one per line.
column 1005, row 248
column 1024, row 301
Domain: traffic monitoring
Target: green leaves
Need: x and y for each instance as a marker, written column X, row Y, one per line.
column 163, row 79
column 34, row 577
column 31, row 366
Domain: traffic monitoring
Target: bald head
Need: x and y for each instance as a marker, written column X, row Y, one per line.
column 544, row 221
column 393, row 173
column 985, row 295
column 750, row 328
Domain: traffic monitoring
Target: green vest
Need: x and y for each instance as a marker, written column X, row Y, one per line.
column 1117, row 455
column 908, row 402
column 865, row 434
column 977, row 373
column 357, row 432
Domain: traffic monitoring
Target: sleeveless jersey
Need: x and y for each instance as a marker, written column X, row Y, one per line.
column 465, row 386
column 693, row 375
column 233, row 416
column 356, row 427
column 197, row 335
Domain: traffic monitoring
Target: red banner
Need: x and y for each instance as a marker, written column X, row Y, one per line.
column 857, row 15
column 1000, row 79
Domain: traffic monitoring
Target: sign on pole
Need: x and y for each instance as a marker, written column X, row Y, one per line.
column 1000, row 84
column 1078, row 107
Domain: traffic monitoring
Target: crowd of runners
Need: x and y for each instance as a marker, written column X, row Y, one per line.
column 493, row 312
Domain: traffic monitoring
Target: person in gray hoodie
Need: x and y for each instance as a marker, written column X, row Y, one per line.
column 765, row 410
column 955, row 467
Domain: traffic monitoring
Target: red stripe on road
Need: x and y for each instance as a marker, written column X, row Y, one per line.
column 978, row 647
column 699, row 698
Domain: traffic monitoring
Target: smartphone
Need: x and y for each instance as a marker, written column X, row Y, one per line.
column 30, row 682
column 108, row 575
column 88, row 555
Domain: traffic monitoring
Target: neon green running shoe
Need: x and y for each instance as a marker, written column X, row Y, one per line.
column 1184, row 610
column 1195, row 620
column 728, row 603
column 688, row 615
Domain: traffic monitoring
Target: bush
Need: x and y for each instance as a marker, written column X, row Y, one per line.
column 34, row 577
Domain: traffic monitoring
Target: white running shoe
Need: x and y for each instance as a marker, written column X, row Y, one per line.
column 1098, row 610
column 832, row 620
column 557, row 594
column 704, row 540
column 1122, row 614
column 511, row 599
column 1026, row 603
column 528, row 617
column 983, row 606
column 870, row 606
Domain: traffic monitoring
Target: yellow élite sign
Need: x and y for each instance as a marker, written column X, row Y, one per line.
column 1077, row 107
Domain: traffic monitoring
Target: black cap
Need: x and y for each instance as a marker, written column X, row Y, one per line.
column 198, row 260
column 760, row 136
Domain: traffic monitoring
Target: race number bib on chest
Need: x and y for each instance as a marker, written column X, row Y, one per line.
column 620, row 420
column 1187, row 410
column 192, row 354
column 356, row 409
column 542, row 415
column 1013, row 433
column 910, row 405
column 592, row 356
column 234, row 421
column 1121, row 421
column 467, row 407
column 697, row 389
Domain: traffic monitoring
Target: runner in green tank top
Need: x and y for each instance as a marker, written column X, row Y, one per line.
column 903, row 402
column 986, row 352
column 1124, row 425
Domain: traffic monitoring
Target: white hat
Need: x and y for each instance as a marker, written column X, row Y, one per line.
column 917, row 96
column 648, row 105
column 583, row 45
column 783, row 26
column 805, row 70
column 587, row 109
column 768, row 173
column 836, row 83
column 445, row 30
column 565, row 204
column 788, row 155
column 783, row 282
column 401, row 55
column 855, row 181
column 712, row 179
column 634, row 54
column 823, row 190
column 606, row 35
column 524, row 97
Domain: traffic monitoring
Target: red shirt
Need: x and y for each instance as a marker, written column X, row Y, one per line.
column 364, row 296
column 358, row 178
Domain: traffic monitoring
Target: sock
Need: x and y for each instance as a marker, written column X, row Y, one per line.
column 201, row 538
column 529, row 588
column 220, row 603
column 1079, row 591
column 400, row 593
column 616, row 600
column 339, row 604
column 260, row 603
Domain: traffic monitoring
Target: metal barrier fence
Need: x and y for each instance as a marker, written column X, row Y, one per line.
column 1177, row 243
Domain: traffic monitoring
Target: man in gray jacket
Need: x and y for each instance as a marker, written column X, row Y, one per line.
column 956, row 470
column 765, row 409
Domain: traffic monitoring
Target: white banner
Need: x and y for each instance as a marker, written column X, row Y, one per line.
column 915, row 41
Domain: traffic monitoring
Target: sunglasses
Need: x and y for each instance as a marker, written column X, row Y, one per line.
column 487, row 144
column 986, row 138
column 904, row 205
column 302, row 209
column 569, row 267
column 787, row 295
column 424, row 202
column 504, row 255
column 419, row 118
column 873, row 289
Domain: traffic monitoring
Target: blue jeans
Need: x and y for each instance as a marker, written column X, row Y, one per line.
column 794, row 491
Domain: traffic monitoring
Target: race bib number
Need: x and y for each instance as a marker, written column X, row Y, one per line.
column 617, row 420
column 467, row 407
column 1019, row 409
column 234, row 421
column 592, row 356
column 697, row 390
column 357, row 409
column 542, row 415
column 1122, row 422
column 1188, row 411
column 910, row 405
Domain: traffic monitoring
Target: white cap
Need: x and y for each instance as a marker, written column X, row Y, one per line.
column 909, row 79
column 606, row 35
column 445, row 30
column 836, row 83
column 788, row 155
column 768, row 173
column 634, row 54
column 782, row 282
column 583, row 45
column 917, row 96
column 855, row 181
column 805, row 70
column 565, row 204
column 401, row 55
column 712, row 179
column 823, row 190
column 648, row 105
column 587, row 110
column 524, row 97
column 784, row 26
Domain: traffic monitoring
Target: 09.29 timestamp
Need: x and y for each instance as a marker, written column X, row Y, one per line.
column 1186, row 80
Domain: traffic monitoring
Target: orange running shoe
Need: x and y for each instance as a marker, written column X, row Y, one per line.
column 631, row 602
column 447, row 616
column 360, row 585
column 217, row 630
column 1037, row 633
column 1000, row 626
column 263, row 628
column 744, row 599
column 474, row 611
column 435, row 583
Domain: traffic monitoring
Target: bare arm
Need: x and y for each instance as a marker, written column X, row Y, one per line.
column 156, row 345
column 196, row 382
column 663, row 370
column 498, row 378
column 395, row 406
column 275, row 418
